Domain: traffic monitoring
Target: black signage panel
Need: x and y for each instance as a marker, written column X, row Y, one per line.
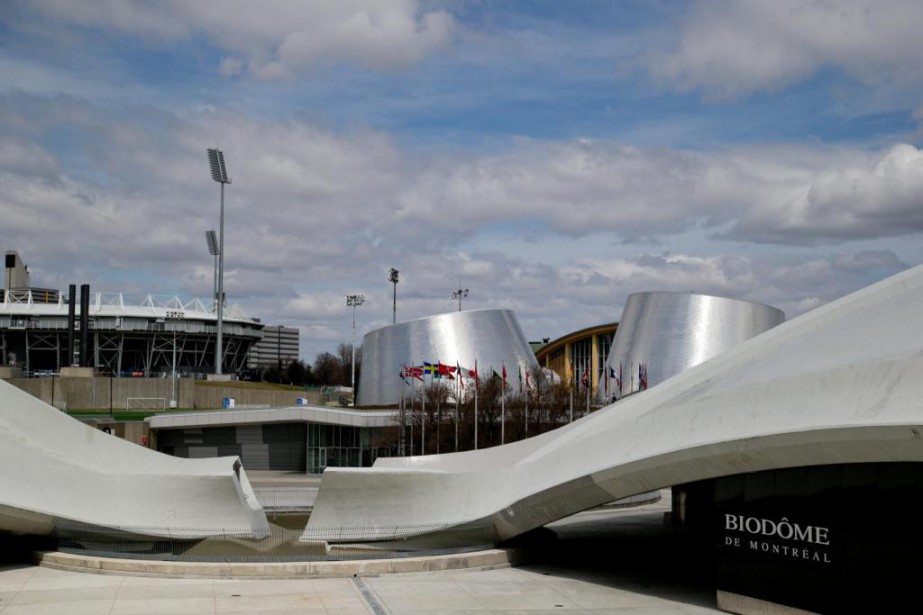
column 829, row 539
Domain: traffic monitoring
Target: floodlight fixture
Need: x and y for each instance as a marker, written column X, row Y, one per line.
column 219, row 170
column 212, row 239
column 461, row 293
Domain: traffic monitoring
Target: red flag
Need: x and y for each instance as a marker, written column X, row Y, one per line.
column 503, row 366
column 445, row 370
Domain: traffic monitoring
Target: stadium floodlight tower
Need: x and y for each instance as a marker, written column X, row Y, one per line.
column 354, row 301
column 220, row 175
column 212, row 241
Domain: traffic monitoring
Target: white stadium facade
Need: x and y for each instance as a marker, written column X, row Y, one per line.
column 147, row 335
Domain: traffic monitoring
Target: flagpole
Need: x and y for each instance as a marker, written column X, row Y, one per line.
column 400, row 438
column 413, row 409
column 588, row 394
column 423, row 419
column 458, row 376
column 527, row 405
column 476, row 382
column 503, row 403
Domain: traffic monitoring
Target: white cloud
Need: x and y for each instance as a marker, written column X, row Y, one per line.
column 275, row 37
column 315, row 214
column 731, row 49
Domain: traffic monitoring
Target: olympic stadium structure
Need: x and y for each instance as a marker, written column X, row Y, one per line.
column 490, row 339
column 128, row 337
column 662, row 334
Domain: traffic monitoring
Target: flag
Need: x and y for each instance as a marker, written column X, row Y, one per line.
column 606, row 371
column 528, row 384
column 520, row 379
column 445, row 370
column 431, row 369
column 642, row 376
column 414, row 372
column 585, row 379
column 404, row 374
column 618, row 380
column 474, row 374
column 503, row 367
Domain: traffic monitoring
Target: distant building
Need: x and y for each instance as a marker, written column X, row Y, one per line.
column 129, row 336
column 278, row 347
column 583, row 351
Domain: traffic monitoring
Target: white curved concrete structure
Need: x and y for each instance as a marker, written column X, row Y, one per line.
column 53, row 468
column 841, row 384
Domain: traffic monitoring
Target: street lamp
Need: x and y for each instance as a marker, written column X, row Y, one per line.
column 174, row 316
column 212, row 241
column 461, row 293
column 393, row 278
column 220, row 175
column 354, row 301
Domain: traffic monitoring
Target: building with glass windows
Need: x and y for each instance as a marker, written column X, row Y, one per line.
column 578, row 353
column 295, row 439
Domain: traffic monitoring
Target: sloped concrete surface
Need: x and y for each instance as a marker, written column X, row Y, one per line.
column 53, row 468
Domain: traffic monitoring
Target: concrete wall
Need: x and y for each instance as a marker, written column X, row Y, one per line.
column 148, row 393
column 212, row 397
column 79, row 393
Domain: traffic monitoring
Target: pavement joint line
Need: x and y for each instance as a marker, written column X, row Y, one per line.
column 477, row 560
column 369, row 597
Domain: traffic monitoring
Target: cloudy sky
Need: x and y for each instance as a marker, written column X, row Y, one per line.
column 551, row 157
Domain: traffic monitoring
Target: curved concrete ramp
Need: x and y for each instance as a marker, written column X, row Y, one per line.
column 55, row 469
column 843, row 383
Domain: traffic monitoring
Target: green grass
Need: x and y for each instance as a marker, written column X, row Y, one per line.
column 238, row 384
column 125, row 415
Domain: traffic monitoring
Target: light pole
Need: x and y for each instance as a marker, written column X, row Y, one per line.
column 174, row 316
column 212, row 241
column 354, row 301
column 461, row 293
column 393, row 278
column 220, row 175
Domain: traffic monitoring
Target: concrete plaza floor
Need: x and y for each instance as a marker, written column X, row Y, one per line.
column 605, row 561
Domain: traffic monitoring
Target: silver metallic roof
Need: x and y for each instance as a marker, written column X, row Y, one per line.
column 492, row 338
column 669, row 332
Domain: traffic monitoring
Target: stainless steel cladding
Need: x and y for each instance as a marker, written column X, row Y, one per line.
column 493, row 338
column 663, row 333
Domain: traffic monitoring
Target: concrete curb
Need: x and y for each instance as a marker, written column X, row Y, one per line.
column 480, row 560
